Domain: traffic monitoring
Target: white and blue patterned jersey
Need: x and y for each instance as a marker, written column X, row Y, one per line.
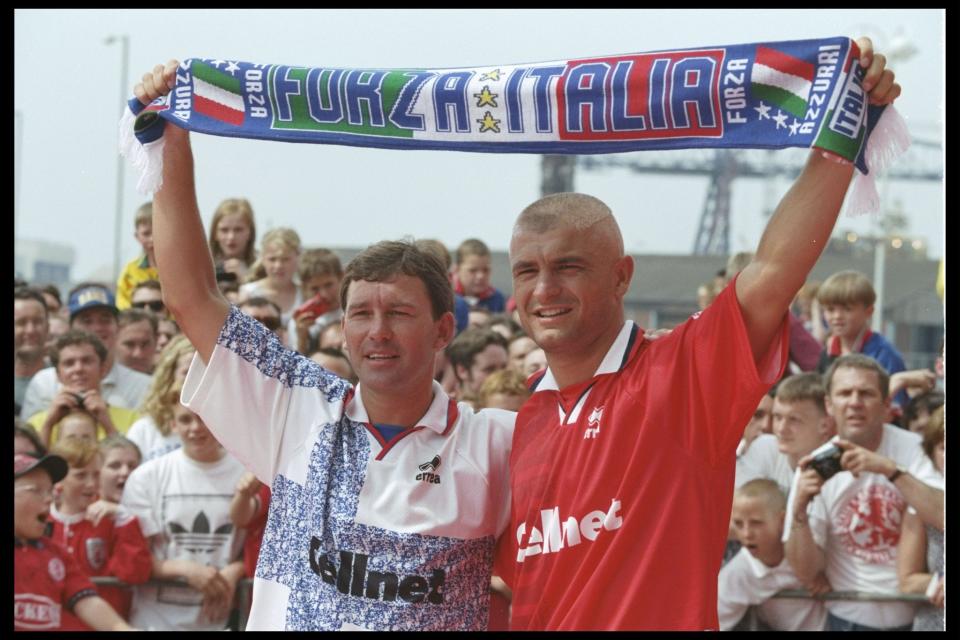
column 362, row 533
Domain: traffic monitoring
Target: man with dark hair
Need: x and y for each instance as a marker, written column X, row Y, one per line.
column 475, row 354
column 149, row 295
column 30, row 328
column 92, row 309
column 79, row 358
column 847, row 524
column 137, row 339
column 387, row 497
column 266, row 312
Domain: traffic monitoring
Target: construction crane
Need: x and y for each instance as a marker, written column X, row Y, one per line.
column 923, row 161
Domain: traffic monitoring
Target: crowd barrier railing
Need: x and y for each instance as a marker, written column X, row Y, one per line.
column 244, row 593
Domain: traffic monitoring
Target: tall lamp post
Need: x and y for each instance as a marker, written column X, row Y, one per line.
column 18, row 171
column 124, row 89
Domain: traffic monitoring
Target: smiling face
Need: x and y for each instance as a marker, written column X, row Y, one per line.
column 118, row 463
column 32, row 497
column 391, row 335
column 857, row 405
column 79, row 367
column 198, row 443
column 80, row 488
column 233, row 235
column 569, row 285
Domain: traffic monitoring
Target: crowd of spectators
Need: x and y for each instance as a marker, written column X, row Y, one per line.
column 148, row 496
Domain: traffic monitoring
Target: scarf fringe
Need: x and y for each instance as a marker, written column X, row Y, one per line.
column 889, row 140
column 147, row 159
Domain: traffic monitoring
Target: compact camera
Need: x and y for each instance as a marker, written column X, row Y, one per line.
column 314, row 305
column 826, row 461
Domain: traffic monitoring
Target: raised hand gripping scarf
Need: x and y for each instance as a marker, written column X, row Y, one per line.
column 803, row 93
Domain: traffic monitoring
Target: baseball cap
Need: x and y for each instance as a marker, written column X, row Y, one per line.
column 53, row 464
column 91, row 297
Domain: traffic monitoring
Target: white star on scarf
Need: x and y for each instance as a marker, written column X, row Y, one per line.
column 232, row 68
column 780, row 119
column 794, row 127
column 763, row 110
column 216, row 63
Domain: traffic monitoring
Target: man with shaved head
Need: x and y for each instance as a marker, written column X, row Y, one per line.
column 622, row 467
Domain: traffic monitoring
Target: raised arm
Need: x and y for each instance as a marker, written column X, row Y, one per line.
column 801, row 225
column 183, row 258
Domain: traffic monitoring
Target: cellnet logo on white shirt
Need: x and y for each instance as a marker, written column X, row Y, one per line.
column 554, row 534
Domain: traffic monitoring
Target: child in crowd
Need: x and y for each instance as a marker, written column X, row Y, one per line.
column 183, row 501
column 760, row 569
column 144, row 266
column 276, row 271
column 336, row 361
column 504, row 389
column 48, row 584
column 111, row 546
column 472, row 277
column 233, row 237
column 80, row 425
column 320, row 275
column 847, row 299
column 153, row 433
column 120, row 458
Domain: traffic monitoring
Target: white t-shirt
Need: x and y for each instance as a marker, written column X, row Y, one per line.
column 150, row 441
column 184, row 510
column 746, row 581
column 121, row 387
column 857, row 522
column 254, row 289
column 764, row 460
column 361, row 533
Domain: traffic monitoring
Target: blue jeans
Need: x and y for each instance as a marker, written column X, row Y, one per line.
column 839, row 624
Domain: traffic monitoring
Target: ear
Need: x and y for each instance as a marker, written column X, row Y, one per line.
column 623, row 270
column 828, row 405
column 446, row 327
column 869, row 310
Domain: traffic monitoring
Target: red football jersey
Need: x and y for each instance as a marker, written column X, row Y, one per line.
column 47, row 583
column 113, row 547
column 622, row 485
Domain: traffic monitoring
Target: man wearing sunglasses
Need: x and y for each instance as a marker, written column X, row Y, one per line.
column 148, row 295
column 266, row 312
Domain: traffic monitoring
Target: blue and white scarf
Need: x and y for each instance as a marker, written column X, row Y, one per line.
column 804, row 93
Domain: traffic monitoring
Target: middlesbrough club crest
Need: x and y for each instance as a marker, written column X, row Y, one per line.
column 96, row 553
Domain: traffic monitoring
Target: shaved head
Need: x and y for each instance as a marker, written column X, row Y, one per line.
column 574, row 210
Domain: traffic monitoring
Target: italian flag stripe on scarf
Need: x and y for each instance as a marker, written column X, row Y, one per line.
column 783, row 80
column 217, row 94
column 769, row 95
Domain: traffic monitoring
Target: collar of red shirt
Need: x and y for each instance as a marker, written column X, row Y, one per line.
column 618, row 355
column 834, row 347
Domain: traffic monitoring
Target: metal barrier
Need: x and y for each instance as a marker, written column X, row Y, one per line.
column 242, row 598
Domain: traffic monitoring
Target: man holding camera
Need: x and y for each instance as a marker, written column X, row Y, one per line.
column 849, row 498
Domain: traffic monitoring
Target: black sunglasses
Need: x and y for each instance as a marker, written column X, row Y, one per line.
column 154, row 305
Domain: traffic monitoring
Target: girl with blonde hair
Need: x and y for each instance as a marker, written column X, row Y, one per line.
column 233, row 236
column 279, row 258
column 152, row 433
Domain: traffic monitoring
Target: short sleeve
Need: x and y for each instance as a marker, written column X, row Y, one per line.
column 139, row 498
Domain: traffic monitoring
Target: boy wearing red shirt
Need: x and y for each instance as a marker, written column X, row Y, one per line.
column 112, row 545
column 47, row 581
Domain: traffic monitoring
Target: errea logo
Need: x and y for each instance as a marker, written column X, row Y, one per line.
column 553, row 535
column 428, row 468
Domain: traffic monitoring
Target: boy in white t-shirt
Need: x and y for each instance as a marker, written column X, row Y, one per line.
column 760, row 569
column 183, row 501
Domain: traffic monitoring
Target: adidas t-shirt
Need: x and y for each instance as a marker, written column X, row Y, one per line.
column 362, row 533
column 622, row 485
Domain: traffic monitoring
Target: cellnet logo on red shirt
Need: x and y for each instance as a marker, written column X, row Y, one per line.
column 555, row 533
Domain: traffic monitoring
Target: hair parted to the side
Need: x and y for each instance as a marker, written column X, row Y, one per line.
column 472, row 247
column 144, row 215
column 319, row 262
column 858, row 361
column 389, row 258
column 78, row 453
column 847, row 287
